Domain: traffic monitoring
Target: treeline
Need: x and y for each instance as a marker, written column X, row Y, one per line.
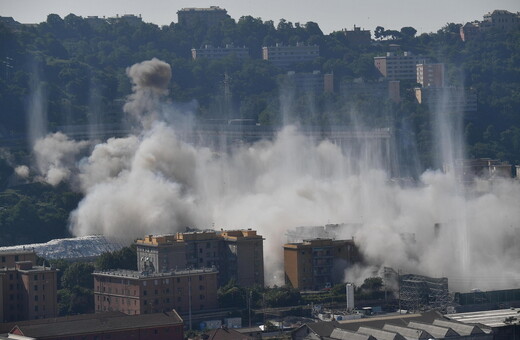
column 76, row 71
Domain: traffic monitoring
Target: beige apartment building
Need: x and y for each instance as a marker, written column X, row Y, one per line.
column 27, row 291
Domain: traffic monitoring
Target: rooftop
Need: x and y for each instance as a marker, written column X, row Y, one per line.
column 99, row 323
column 490, row 318
column 123, row 273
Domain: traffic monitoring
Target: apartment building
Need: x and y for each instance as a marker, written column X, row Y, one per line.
column 134, row 292
column 399, row 67
column 27, row 291
column 237, row 254
column 448, row 99
column 212, row 53
column 430, row 75
column 469, row 31
column 284, row 56
column 209, row 17
column 306, row 82
column 318, row 263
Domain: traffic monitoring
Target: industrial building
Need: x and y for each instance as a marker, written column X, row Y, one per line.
column 134, row 292
column 237, row 254
column 429, row 325
column 318, row 263
column 284, row 56
column 27, row 291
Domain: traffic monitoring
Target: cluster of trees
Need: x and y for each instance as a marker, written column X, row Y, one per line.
column 75, row 281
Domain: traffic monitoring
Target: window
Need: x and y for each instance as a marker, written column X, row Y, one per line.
column 16, row 257
column 35, row 308
column 201, row 277
column 35, row 277
column 145, row 292
column 3, row 258
column 36, row 298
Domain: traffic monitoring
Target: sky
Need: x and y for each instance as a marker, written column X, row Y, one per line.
column 331, row 15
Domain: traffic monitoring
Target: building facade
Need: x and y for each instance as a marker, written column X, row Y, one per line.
column 430, row 75
column 27, row 291
column 318, row 263
column 500, row 19
column 358, row 36
column 398, row 67
column 237, row 254
column 447, row 99
column 193, row 17
column 284, row 56
column 134, row 292
column 210, row 52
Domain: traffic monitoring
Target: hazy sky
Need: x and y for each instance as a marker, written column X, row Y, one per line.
column 331, row 15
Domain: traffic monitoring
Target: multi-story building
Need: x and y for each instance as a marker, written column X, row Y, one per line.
column 210, row 52
column 134, row 292
column 27, row 291
column 242, row 258
column 318, row 263
column 447, row 99
column 284, row 56
column 430, row 75
column 469, row 31
column 193, row 17
column 500, row 19
column 130, row 19
column 399, row 67
column 306, row 82
column 358, row 36
column 237, row 254
column 484, row 168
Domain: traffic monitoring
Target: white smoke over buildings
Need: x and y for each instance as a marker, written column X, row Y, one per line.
column 154, row 182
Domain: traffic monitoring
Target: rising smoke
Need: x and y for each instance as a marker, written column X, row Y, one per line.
column 154, row 182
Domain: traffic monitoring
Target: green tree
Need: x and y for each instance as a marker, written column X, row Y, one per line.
column 78, row 274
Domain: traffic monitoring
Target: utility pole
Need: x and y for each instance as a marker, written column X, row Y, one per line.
column 399, row 288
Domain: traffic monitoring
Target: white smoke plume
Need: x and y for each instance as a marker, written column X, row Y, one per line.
column 150, row 80
column 56, row 157
column 154, row 182
column 22, row 171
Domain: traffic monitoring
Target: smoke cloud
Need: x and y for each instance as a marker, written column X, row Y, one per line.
column 155, row 182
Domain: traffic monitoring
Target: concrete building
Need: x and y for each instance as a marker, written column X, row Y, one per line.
column 115, row 326
column 447, row 99
column 430, row 75
column 318, row 263
column 194, row 17
column 358, row 36
column 237, row 254
column 134, row 292
column 27, row 291
column 284, row 56
column 399, row 67
column 212, row 53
